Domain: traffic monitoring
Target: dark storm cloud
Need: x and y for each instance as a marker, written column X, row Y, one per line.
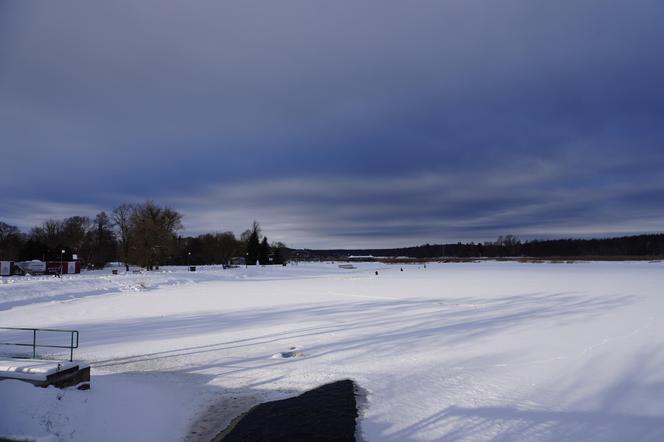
column 396, row 122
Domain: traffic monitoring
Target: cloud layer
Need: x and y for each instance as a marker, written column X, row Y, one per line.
column 339, row 123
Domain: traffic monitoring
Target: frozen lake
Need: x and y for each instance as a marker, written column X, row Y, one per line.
column 472, row 352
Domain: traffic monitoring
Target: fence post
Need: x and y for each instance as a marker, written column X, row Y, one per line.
column 34, row 344
column 71, row 347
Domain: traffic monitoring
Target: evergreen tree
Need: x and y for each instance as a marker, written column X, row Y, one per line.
column 253, row 245
column 264, row 252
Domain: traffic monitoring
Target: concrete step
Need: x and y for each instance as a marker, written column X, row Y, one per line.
column 43, row 373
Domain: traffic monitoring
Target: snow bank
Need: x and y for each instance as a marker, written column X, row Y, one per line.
column 129, row 407
column 24, row 290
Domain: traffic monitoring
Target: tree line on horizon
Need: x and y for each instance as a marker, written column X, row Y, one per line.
column 509, row 246
column 147, row 235
column 143, row 234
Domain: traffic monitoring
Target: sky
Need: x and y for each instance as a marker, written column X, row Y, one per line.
column 352, row 124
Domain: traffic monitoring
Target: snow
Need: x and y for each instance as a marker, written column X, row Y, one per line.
column 130, row 406
column 468, row 351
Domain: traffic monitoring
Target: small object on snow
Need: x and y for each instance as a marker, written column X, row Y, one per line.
column 376, row 272
column 291, row 353
column 402, row 269
column 287, row 355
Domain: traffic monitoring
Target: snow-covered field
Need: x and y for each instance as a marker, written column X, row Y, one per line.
column 481, row 351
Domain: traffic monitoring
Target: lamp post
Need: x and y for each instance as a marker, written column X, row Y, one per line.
column 62, row 254
column 188, row 258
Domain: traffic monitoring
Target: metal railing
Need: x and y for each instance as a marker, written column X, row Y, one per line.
column 73, row 343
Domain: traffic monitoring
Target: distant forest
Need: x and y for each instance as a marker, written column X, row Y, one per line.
column 642, row 246
column 145, row 235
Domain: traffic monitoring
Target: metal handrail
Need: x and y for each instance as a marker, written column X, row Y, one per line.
column 34, row 344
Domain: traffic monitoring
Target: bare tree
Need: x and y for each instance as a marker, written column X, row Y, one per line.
column 153, row 233
column 100, row 242
column 121, row 218
column 75, row 230
column 49, row 234
column 229, row 246
column 11, row 240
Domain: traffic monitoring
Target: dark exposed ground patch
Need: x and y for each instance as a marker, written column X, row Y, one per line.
column 327, row 413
